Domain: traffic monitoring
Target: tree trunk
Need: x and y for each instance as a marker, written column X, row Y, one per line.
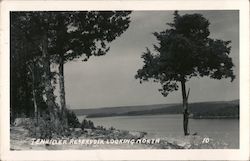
column 185, row 108
column 62, row 91
column 50, row 100
column 34, row 93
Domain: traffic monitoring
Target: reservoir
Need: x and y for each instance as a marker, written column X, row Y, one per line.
column 226, row 130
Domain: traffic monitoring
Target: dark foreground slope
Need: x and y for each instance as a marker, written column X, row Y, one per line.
column 223, row 109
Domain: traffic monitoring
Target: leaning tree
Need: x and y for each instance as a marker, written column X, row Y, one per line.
column 80, row 35
column 185, row 50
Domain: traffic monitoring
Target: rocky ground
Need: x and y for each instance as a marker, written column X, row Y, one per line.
column 107, row 139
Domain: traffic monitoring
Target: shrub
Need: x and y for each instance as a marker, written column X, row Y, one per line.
column 112, row 128
column 73, row 121
column 45, row 129
column 101, row 128
column 87, row 124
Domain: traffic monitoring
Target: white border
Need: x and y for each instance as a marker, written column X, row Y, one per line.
column 241, row 154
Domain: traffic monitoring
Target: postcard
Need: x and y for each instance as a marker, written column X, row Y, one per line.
column 124, row 80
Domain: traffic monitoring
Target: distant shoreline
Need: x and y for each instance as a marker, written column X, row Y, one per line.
column 215, row 117
column 191, row 117
column 201, row 110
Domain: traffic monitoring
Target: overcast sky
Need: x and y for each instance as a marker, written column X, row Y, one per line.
column 108, row 81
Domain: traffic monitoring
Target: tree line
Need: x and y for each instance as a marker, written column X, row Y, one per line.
column 41, row 39
column 202, row 110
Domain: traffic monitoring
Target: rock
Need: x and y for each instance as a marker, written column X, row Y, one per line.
column 184, row 145
column 22, row 121
column 19, row 131
column 136, row 134
column 178, row 143
column 77, row 129
column 88, row 131
column 77, row 132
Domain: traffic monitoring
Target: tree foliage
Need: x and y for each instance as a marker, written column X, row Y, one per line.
column 185, row 50
column 73, row 121
column 25, row 61
column 87, row 124
column 72, row 33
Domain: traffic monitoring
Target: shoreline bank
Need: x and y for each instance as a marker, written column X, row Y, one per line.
column 113, row 139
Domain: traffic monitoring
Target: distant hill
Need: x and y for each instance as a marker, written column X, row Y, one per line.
column 119, row 110
column 223, row 109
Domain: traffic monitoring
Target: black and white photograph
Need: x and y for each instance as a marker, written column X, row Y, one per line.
column 125, row 79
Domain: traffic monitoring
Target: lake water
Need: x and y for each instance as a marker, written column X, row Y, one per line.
column 226, row 130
